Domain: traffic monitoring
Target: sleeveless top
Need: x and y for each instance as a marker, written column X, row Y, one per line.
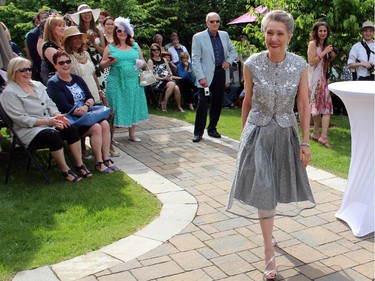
column 48, row 44
column 275, row 88
column 160, row 68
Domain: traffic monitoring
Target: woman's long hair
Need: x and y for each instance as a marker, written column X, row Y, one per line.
column 314, row 33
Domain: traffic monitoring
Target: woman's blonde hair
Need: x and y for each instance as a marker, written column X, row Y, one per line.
column 49, row 27
column 14, row 65
column 184, row 55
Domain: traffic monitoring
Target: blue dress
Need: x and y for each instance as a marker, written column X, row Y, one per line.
column 124, row 94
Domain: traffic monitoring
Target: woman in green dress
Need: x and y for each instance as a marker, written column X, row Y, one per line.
column 124, row 94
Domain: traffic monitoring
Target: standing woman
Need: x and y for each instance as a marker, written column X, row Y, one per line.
column 124, row 94
column 52, row 36
column 85, row 18
column 271, row 160
column 319, row 54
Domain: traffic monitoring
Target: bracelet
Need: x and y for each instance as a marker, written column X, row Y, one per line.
column 319, row 57
column 305, row 144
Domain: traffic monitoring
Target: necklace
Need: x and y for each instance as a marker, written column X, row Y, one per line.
column 81, row 57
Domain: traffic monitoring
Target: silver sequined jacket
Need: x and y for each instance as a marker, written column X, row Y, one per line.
column 275, row 88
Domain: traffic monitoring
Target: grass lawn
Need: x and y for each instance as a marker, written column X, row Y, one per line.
column 43, row 224
column 335, row 160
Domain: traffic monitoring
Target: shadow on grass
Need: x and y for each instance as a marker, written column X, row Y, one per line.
column 46, row 223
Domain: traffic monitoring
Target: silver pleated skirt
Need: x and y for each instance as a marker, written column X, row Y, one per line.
column 269, row 174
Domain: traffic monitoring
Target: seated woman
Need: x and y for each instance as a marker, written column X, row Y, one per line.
column 187, row 81
column 37, row 120
column 68, row 91
column 163, row 73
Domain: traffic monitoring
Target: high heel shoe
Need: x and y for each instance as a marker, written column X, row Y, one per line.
column 274, row 243
column 269, row 274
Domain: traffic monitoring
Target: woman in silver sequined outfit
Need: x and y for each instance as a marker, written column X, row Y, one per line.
column 271, row 160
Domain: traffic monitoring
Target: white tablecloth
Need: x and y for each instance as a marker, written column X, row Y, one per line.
column 357, row 207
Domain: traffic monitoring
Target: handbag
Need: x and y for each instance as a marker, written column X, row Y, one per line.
column 146, row 77
column 95, row 114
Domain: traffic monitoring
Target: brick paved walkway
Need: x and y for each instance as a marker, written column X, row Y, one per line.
column 217, row 245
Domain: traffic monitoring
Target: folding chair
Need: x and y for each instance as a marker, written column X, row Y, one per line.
column 17, row 145
column 154, row 96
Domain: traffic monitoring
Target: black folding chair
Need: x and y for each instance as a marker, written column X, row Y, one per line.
column 154, row 96
column 18, row 145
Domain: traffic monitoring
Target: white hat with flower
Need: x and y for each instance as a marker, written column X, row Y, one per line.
column 125, row 25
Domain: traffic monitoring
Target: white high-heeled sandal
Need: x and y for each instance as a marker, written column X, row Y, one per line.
column 266, row 272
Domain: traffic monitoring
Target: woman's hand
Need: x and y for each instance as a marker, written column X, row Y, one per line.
column 58, row 121
column 305, row 155
column 328, row 49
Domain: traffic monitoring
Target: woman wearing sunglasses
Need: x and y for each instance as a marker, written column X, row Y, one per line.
column 71, row 94
column 37, row 120
column 164, row 75
column 123, row 92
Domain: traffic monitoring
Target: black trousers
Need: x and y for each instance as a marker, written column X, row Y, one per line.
column 55, row 139
column 367, row 78
column 215, row 99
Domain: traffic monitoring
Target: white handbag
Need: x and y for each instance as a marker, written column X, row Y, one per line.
column 146, row 77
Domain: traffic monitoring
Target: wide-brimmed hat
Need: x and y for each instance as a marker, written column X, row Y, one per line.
column 84, row 8
column 125, row 24
column 367, row 24
column 73, row 31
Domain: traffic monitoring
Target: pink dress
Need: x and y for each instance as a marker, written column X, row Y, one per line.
column 321, row 102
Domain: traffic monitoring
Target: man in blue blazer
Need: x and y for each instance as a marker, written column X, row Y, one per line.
column 212, row 54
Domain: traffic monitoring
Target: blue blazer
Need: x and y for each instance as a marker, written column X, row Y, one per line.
column 203, row 58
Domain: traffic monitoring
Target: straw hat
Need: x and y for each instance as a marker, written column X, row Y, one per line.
column 84, row 8
column 125, row 24
column 73, row 31
column 367, row 24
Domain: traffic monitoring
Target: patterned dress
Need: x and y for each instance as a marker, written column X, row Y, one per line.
column 321, row 102
column 269, row 173
column 124, row 94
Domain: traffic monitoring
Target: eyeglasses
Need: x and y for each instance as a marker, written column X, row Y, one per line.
column 24, row 69
column 120, row 31
column 214, row 21
column 154, row 50
column 64, row 62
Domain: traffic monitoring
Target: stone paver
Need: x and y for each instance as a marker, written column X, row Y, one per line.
column 195, row 238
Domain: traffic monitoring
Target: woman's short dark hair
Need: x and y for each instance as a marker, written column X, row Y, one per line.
column 59, row 54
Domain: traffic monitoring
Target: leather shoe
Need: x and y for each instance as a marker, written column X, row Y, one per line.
column 214, row 134
column 197, row 138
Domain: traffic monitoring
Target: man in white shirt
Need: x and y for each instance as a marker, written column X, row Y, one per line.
column 361, row 56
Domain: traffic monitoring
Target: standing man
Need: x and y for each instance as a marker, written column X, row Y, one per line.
column 361, row 56
column 212, row 54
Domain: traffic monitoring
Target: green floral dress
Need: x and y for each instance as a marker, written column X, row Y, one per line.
column 124, row 94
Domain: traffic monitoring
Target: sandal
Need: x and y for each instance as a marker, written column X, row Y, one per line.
column 105, row 171
column 84, row 172
column 314, row 137
column 324, row 141
column 109, row 163
column 271, row 273
column 70, row 173
column 274, row 243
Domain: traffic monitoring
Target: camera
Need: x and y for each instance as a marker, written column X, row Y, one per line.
column 371, row 68
column 335, row 50
column 206, row 91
